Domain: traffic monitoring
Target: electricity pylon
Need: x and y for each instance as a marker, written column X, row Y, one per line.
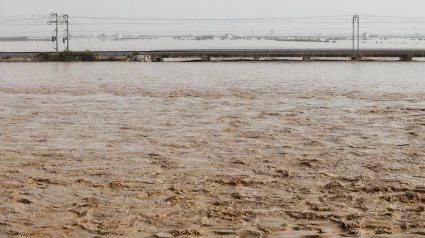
column 54, row 18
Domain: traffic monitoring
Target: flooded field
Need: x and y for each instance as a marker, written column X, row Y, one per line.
column 247, row 149
column 166, row 43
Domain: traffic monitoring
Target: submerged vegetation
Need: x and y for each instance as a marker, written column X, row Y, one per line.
column 68, row 56
column 73, row 56
column 85, row 56
column 44, row 56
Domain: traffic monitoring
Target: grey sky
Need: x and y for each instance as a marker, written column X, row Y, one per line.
column 213, row 8
column 206, row 9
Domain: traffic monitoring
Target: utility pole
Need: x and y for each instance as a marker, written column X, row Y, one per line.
column 358, row 34
column 64, row 19
column 356, row 18
column 354, row 21
column 67, row 32
column 53, row 19
column 57, row 42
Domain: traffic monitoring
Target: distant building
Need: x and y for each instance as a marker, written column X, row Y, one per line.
column 228, row 36
column 117, row 35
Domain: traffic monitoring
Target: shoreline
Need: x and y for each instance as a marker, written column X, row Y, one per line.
column 221, row 55
column 125, row 59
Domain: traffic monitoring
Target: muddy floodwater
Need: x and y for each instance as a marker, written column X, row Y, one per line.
column 215, row 149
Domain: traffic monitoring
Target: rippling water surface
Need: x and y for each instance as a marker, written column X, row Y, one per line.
column 350, row 76
column 242, row 149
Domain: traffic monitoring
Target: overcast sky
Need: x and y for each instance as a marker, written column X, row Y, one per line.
column 214, row 8
column 206, row 9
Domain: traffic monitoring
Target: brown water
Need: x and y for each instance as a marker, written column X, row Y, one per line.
column 212, row 149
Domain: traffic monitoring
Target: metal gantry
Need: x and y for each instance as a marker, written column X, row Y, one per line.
column 55, row 19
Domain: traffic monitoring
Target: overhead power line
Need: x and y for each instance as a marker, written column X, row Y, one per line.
column 208, row 19
column 22, row 17
column 133, row 21
column 288, row 20
column 27, row 32
column 80, row 31
column 19, row 20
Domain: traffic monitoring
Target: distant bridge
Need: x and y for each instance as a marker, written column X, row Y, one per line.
column 306, row 54
column 256, row 54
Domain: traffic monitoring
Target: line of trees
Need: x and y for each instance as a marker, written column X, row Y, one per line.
column 16, row 38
